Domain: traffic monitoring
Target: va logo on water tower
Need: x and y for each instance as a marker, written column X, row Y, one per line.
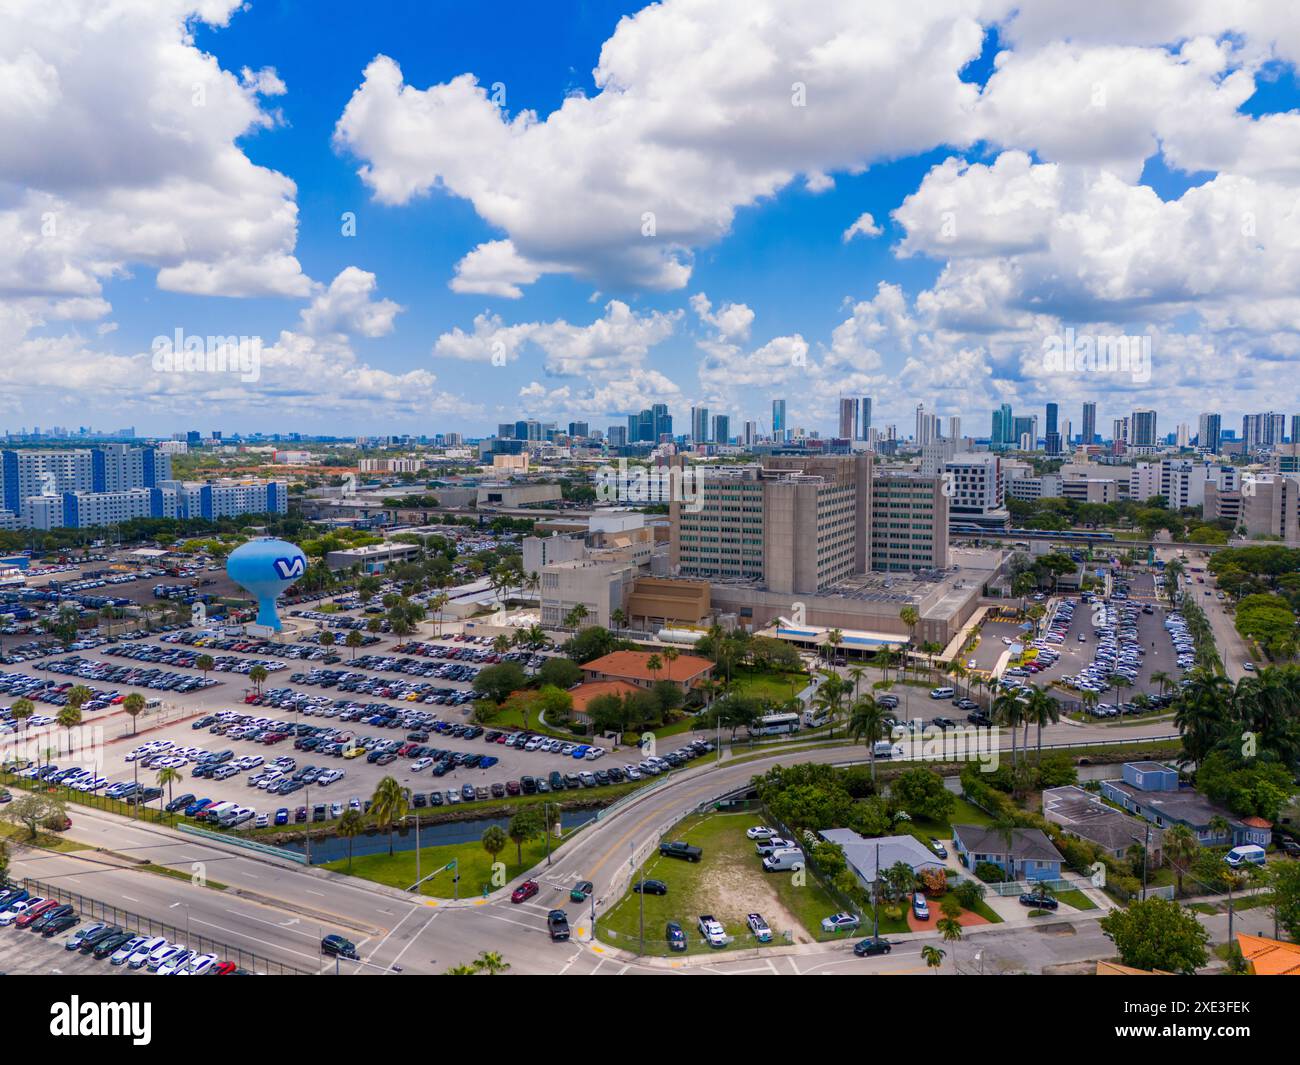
column 290, row 567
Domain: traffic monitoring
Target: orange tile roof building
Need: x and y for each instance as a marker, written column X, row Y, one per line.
column 686, row 671
column 1269, row 957
column 583, row 694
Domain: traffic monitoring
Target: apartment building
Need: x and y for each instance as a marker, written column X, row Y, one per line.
column 1270, row 506
column 976, row 494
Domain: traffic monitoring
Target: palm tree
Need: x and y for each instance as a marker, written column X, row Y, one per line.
column 490, row 962
column 1163, row 679
column 257, row 675
column 910, row 617
column 933, row 956
column 867, row 725
column 24, row 708
column 351, row 825
column 833, row 640
column 133, row 704
column 167, row 777
column 438, row 603
column 1041, row 709
column 575, row 617
column 353, row 640
column 70, row 716
column 618, row 618
column 653, row 665
column 204, row 664
column 1009, row 710
column 326, row 639
column 1180, row 847
column 856, row 673
column 78, row 697
column 494, row 841
column 389, row 805
column 501, row 644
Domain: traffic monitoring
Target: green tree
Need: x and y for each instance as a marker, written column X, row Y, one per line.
column 494, row 840
column 867, row 725
column 204, row 664
column 932, row 956
column 1157, row 935
column 258, row 676
column 500, row 681
column 525, row 825
column 388, row 805
column 133, row 704
column 1180, row 847
column 353, row 640
column 351, row 825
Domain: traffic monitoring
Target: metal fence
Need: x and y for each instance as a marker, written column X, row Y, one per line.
column 248, row 844
column 147, row 926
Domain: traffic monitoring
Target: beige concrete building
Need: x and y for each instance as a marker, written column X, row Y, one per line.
column 659, row 602
column 1270, row 506
column 600, row 586
column 909, row 523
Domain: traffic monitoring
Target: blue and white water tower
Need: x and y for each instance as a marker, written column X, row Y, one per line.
column 266, row 567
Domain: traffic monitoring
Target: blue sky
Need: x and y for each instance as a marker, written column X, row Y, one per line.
column 1110, row 217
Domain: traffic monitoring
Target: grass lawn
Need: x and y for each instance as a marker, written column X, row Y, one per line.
column 475, row 867
column 45, row 840
column 729, row 883
column 1076, row 898
column 987, row 912
column 769, row 684
column 963, row 813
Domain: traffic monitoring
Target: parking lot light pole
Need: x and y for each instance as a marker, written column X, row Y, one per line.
column 306, row 798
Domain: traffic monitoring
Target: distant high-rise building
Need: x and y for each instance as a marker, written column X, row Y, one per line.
column 954, row 427
column 864, row 430
column 1142, row 429
column 1208, row 430
column 750, row 436
column 722, row 428
column 1295, row 428
column 1181, row 435
column 1089, row 433
column 848, row 418
column 778, row 418
column 617, row 435
column 577, row 429
column 1051, row 434
column 1003, row 434
column 700, row 425
column 662, row 422
column 925, row 428
column 506, row 431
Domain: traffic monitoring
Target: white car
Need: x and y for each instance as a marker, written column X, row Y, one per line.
column 145, row 951
column 199, row 965
column 421, row 763
column 760, row 832
column 123, row 954
column 17, row 910
column 163, row 955
column 175, row 963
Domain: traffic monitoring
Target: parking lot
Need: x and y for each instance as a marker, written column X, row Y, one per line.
column 1157, row 651
column 23, row 953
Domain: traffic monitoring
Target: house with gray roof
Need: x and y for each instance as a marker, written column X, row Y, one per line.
column 1028, row 855
column 866, row 856
column 1153, row 792
column 1081, row 813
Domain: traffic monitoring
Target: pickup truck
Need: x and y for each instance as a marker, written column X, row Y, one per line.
column 681, row 850
column 712, row 931
column 759, row 927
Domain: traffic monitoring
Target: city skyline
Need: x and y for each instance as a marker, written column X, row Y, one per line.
column 263, row 200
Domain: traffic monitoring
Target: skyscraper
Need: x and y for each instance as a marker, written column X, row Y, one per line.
column 1051, row 435
column 1295, row 428
column 700, row 425
column 778, row 418
column 954, row 427
column 1142, row 429
column 662, row 422
column 848, row 418
column 864, row 431
column 1003, row 434
column 722, row 429
column 1208, row 432
column 1089, row 433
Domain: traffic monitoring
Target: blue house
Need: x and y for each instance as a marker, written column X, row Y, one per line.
column 1152, row 791
column 1030, row 856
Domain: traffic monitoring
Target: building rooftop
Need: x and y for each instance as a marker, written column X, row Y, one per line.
column 632, row 665
column 1080, row 812
column 1185, row 804
column 1269, row 957
column 1026, row 843
column 863, row 853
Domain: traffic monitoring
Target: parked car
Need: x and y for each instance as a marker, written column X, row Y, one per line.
column 840, row 922
column 920, row 909
column 1038, row 902
column 868, row 947
column 650, row 887
column 675, row 936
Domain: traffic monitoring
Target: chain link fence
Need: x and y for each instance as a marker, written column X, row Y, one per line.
column 147, row 926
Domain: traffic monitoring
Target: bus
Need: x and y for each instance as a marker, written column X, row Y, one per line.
column 775, row 725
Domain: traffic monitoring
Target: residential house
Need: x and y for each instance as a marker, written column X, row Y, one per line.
column 686, row 671
column 866, row 856
column 1152, row 791
column 1081, row 813
column 1029, row 855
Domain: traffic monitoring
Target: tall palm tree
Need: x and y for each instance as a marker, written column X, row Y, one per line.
column 494, row 840
column 575, row 617
column 353, row 640
column 168, row 776
column 867, row 725
column 389, row 804
column 833, row 640
column 257, row 675
column 618, row 618
column 933, row 956
column 351, row 825
column 1041, row 709
column 856, row 673
column 1202, row 714
column 133, row 704
column 911, row 617
column 490, row 962
column 1009, row 711
column 1180, row 847
column 653, row 665
column 22, row 709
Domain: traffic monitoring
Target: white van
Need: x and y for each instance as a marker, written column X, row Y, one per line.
column 1247, row 853
column 885, row 749
column 152, row 704
column 219, row 811
column 783, row 861
column 942, row 693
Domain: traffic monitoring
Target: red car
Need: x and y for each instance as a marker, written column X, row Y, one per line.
column 522, row 893
column 225, row 968
column 30, row 915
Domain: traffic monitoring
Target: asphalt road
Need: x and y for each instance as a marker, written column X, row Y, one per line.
column 279, row 909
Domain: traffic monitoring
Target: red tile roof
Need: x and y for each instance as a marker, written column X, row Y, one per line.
column 631, row 665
